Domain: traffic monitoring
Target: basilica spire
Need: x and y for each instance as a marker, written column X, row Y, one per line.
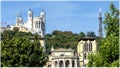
column 100, row 23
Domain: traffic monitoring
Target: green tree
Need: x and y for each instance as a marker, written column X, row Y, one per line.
column 20, row 51
column 82, row 34
column 108, row 54
column 91, row 34
column 7, row 34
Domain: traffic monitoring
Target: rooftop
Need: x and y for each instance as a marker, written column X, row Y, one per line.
column 87, row 38
column 63, row 49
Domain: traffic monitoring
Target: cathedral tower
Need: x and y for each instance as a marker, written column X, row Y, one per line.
column 19, row 20
column 100, row 23
column 43, row 17
column 30, row 19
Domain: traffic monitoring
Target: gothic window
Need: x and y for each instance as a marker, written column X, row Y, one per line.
column 39, row 24
column 73, row 63
column 49, row 66
column 36, row 24
column 55, row 63
column 85, row 56
column 90, row 46
column 85, row 46
column 67, row 63
column 39, row 31
column 61, row 64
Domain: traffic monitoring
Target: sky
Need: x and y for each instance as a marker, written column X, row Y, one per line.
column 75, row 16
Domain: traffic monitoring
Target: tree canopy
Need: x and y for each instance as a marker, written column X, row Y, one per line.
column 18, row 50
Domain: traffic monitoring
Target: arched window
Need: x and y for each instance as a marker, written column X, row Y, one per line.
column 73, row 63
column 61, row 63
column 39, row 24
column 85, row 46
column 49, row 66
column 85, row 56
column 55, row 63
column 67, row 63
column 36, row 24
column 90, row 46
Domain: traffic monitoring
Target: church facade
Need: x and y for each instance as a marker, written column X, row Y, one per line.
column 86, row 46
column 33, row 24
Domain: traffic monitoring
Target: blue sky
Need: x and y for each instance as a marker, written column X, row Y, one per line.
column 75, row 16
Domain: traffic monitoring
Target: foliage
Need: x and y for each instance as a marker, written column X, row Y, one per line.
column 16, row 29
column 20, row 51
column 108, row 54
column 8, row 34
column 60, row 39
column 91, row 34
column 64, row 39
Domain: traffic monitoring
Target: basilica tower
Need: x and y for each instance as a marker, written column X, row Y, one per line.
column 19, row 20
column 100, row 23
column 30, row 19
column 43, row 17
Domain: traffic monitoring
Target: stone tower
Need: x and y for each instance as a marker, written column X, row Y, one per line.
column 30, row 19
column 19, row 20
column 100, row 23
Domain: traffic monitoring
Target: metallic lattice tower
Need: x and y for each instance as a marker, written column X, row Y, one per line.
column 100, row 23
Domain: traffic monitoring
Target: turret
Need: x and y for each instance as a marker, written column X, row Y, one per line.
column 43, row 15
column 30, row 20
column 30, row 14
column 19, row 20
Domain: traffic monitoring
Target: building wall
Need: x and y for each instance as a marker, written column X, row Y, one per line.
column 62, row 58
column 83, row 60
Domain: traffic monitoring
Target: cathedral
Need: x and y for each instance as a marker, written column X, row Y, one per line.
column 33, row 24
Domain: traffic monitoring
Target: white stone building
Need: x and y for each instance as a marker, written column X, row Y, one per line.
column 62, row 58
column 33, row 24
